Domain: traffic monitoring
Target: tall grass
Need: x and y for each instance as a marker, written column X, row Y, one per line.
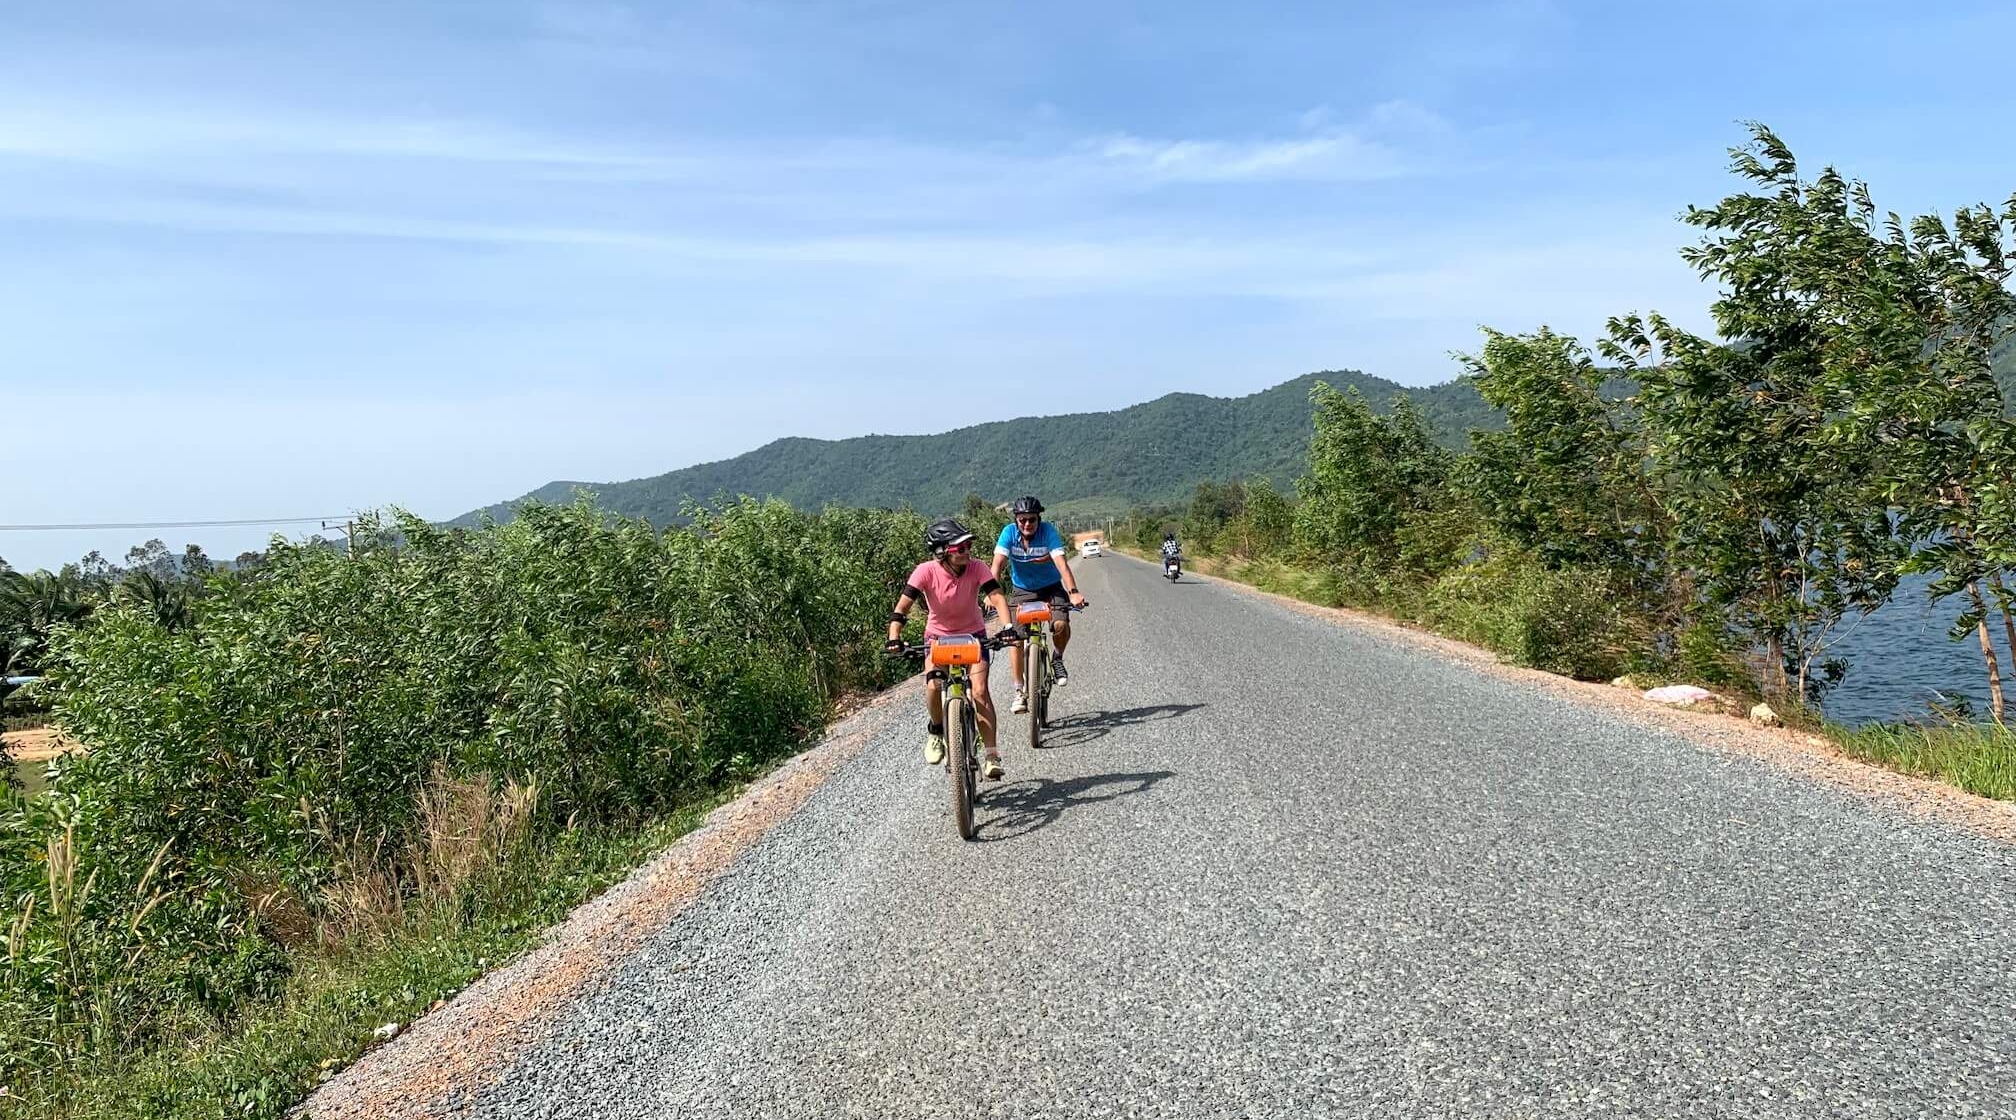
column 1979, row 758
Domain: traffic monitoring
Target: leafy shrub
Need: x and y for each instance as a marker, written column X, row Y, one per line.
column 1569, row 621
column 291, row 757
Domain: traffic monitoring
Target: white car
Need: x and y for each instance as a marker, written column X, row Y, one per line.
column 1088, row 548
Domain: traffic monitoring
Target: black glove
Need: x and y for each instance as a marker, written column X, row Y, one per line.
column 893, row 646
column 1012, row 635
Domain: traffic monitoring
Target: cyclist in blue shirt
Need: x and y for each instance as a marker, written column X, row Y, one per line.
column 1029, row 557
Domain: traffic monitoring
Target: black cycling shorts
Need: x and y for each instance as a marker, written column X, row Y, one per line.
column 1055, row 595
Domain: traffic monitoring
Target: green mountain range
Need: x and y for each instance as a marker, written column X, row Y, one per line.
column 1087, row 463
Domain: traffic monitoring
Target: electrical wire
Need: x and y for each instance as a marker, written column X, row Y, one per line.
column 172, row 524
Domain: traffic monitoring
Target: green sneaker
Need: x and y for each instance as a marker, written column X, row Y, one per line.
column 992, row 769
column 934, row 749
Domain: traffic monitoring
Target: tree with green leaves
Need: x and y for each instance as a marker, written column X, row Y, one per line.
column 1565, row 479
column 32, row 606
column 1269, row 520
column 1935, row 407
column 164, row 601
column 154, row 559
column 1213, row 507
column 1879, row 336
column 1774, row 500
column 1368, row 474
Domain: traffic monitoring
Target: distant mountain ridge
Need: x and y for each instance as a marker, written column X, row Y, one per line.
column 1087, row 463
column 1094, row 462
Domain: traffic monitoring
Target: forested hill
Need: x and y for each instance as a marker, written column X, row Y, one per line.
column 1088, row 462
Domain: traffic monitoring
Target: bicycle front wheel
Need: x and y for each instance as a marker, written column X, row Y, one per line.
column 1034, row 683
column 1039, row 705
column 961, row 762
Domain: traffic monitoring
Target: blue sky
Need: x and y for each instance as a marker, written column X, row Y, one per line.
column 270, row 260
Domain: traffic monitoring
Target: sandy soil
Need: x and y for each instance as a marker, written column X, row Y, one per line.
column 38, row 744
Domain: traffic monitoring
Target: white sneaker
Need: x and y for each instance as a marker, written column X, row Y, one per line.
column 1021, row 703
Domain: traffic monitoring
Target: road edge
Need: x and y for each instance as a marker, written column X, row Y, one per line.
column 447, row 1056
column 1809, row 756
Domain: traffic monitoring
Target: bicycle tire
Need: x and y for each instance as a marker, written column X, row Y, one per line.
column 960, row 764
column 1040, row 707
column 1038, row 660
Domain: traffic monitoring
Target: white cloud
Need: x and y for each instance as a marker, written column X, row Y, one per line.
column 1334, row 155
column 1407, row 117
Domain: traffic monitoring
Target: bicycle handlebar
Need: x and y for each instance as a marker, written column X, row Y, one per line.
column 923, row 649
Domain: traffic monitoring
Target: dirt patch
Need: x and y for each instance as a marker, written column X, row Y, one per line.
column 37, row 744
column 1799, row 752
column 446, row 1057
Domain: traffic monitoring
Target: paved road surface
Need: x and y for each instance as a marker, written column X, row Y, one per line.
column 1273, row 867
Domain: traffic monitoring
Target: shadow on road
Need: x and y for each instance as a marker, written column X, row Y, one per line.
column 1020, row 808
column 1078, row 730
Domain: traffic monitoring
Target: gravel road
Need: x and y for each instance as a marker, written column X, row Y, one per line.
column 1276, row 867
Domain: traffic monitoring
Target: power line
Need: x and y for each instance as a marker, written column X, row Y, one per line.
column 173, row 524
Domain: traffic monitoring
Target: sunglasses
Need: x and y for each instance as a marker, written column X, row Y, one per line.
column 962, row 548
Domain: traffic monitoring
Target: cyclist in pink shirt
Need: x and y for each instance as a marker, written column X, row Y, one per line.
column 950, row 586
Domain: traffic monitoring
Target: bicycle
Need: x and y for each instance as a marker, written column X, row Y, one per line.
column 951, row 659
column 1038, row 679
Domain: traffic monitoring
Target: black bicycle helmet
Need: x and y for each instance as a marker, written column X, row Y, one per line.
column 944, row 533
column 1168, row 536
column 1025, row 504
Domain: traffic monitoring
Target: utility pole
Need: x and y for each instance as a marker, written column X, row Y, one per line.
column 349, row 535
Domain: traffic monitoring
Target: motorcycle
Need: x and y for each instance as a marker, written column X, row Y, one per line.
column 1172, row 567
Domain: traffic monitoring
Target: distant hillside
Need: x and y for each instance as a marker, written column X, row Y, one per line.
column 1090, row 462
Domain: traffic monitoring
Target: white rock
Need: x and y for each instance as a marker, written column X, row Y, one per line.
column 1679, row 695
column 386, row 1033
column 1763, row 716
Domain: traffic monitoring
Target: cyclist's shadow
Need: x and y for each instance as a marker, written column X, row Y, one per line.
column 1020, row 808
column 1085, row 727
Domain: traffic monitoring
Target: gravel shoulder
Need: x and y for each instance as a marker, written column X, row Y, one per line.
column 456, row 1051
column 1808, row 755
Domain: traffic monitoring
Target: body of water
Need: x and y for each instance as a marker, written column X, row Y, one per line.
column 1900, row 661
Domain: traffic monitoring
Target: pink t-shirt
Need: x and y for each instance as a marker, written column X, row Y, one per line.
column 952, row 601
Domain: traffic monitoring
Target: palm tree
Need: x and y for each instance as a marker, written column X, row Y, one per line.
column 167, row 602
column 31, row 605
column 44, row 599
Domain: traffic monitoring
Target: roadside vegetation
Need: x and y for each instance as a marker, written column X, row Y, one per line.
column 325, row 788
column 1714, row 511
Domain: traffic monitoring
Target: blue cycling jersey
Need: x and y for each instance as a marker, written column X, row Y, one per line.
column 1030, row 565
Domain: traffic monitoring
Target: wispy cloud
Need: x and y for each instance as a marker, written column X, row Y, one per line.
column 1389, row 140
column 1331, row 156
column 127, row 133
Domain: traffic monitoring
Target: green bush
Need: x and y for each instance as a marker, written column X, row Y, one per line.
column 257, row 774
column 1570, row 621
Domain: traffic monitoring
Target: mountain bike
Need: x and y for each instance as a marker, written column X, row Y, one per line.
column 1038, row 679
column 951, row 659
